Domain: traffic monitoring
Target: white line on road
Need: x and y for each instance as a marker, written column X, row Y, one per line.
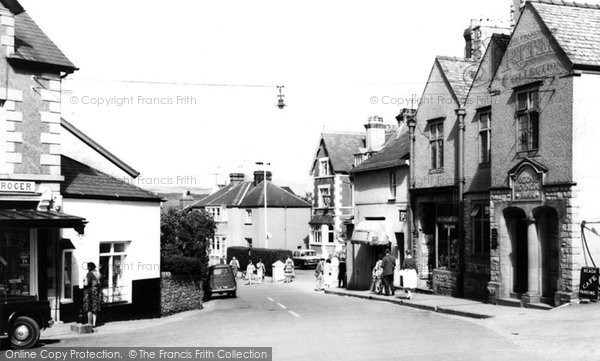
column 270, row 299
column 294, row 314
column 282, row 306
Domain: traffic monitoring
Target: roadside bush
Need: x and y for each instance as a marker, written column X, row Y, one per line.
column 268, row 256
column 180, row 265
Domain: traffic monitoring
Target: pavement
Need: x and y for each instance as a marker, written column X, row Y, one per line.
column 442, row 304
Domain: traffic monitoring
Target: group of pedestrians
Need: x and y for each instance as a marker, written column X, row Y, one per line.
column 329, row 273
column 256, row 273
column 383, row 275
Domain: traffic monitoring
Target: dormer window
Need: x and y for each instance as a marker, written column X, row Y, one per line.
column 324, row 167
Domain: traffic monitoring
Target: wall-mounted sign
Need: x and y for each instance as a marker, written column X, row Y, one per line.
column 403, row 216
column 588, row 283
column 17, row 186
column 527, row 185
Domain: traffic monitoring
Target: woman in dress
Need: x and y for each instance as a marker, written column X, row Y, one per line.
column 289, row 270
column 91, row 293
column 376, row 277
column 327, row 270
column 410, row 274
column 260, row 271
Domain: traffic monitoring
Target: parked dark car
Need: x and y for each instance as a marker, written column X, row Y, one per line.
column 221, row 280
column 305, row 258
column 22, row 318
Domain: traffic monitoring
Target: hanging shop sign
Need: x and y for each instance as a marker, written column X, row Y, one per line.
column 588, row 283
column 10, row 186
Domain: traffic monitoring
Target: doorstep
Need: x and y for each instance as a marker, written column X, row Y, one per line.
column 436, row 303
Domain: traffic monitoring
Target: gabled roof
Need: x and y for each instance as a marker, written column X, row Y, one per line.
column 458, row 72
column 98, row 148
column 248, row 195
column 83, row 181
column 394, row 153
column 341, row 147
column 32, row 44
column 575, row 26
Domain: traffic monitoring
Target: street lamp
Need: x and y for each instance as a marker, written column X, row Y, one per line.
column 265, row 164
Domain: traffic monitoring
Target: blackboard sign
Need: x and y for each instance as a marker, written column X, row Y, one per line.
column 588, row 284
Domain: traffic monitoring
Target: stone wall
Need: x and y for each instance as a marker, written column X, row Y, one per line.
column 179, row 294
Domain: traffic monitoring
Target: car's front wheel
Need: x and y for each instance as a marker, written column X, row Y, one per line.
column 24, row 333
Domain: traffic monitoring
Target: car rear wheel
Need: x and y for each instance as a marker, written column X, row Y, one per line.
column 233, row 294
column 24, row 333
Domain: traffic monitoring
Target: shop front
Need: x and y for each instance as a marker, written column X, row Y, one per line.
column 369, row 242
column 438, row 245
column 34, row 260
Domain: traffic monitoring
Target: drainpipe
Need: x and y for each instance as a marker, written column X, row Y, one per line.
column 410, row 120
column 460, row 118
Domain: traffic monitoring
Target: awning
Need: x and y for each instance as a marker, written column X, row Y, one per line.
column 35, row 219
column 372, row 233
column 319, row 219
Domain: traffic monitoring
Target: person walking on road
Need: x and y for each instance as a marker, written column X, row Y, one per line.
column 250, row 272
column 288, row 269
column 388, row 264
column 409, row 279
column 319, row 275
column 260, row 271
column 342, row 274
column 235, row 266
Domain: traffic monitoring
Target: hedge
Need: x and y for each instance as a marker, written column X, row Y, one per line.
column 180, row 265
column 268, row 256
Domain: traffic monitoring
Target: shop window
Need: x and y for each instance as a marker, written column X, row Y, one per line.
column 436, row 143
column 15, row 263
column 67, row 281
column 248, row 216
column 485, row 137
column 480, row 220
column 393, row 185
column 528, row 120
column 112, row 262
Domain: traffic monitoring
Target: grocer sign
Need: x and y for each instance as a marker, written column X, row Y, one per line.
column 10, row 186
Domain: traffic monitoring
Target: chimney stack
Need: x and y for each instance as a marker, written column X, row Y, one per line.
column 259, row 176
column 375, row 133
column 236, row 178
column 515, row 11
column 186, row 200
column 479, row 33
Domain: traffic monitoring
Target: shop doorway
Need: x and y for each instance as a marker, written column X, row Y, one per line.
column 516, row 224
column 547, row 221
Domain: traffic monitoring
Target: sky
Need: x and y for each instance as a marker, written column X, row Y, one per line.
column 185, row 91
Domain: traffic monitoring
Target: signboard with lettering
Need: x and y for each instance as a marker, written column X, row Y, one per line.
column 527, row 185
column 588, row 283
column 10, row 186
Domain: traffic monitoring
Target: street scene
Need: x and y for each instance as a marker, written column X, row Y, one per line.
column 280, row 180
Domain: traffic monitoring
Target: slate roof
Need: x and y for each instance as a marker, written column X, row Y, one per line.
column 248, row 195
column 83, row 181
column 341, row 148
column 31, row 43
column 394, row 153
column 576, row 28
column 459, row 73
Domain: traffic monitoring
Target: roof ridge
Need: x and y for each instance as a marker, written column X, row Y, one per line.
column 575, row 4
column 341, row 132
column 454, row 58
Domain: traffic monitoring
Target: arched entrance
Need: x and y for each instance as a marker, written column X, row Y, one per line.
column 548, row 231
column 516, row 224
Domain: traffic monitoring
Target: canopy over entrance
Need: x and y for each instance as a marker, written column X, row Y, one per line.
column 372, row 233
column 12, row 218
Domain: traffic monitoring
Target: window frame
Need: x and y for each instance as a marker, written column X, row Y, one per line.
column 480, row 224
column 436, row 144
column 321, row 198
column 69, row 271
column 248, row 220
column 393, row 184
column 108, row 292
column 485, row 157
column 324, row 168
column 530, row 108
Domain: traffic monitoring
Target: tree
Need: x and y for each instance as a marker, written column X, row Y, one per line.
column 308, row 197
column 184, row 237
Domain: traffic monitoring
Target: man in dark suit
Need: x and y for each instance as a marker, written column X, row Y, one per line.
column 388, row 265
